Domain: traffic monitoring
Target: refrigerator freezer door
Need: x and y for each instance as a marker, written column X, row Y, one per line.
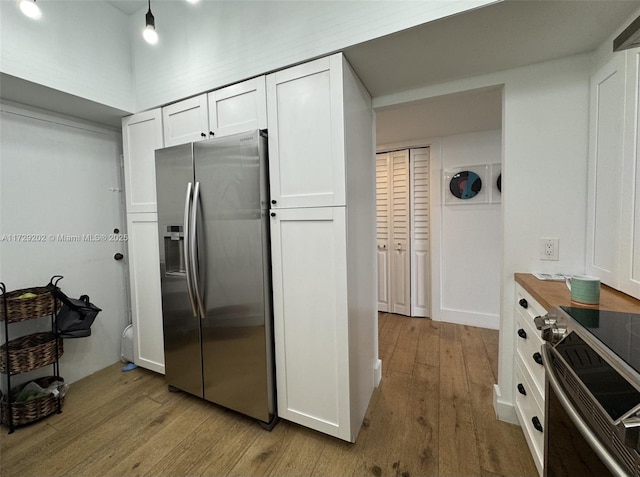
column 181, row 326
column 234, row 274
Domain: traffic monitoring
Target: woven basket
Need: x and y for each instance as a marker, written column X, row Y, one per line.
column 20, row 309
column 30, row 352
column 29, row 411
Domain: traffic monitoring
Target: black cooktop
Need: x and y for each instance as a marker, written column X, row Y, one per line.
column 618, row 331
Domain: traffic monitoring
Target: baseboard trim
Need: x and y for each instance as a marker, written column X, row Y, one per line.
column 461, row 317
column 377, row 373
column 505, row 411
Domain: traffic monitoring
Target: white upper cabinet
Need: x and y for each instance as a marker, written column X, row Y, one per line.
column 306, row 135
column 238, row 108
column 186, row 121
column 605, row 164
column 613, row 220
column 630, row 219
column 142, row 135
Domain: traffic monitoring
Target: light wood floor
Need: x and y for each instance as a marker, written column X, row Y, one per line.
column 431, row 416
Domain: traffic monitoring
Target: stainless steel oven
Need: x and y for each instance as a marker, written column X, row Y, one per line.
column 592, row 401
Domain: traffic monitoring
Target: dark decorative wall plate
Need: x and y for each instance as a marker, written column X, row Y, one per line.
column 465, row 185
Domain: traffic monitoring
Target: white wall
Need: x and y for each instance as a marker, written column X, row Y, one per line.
column 56, row 179
column 211, row 44
column 470, row 240
column 80, row 48
column 545, row 189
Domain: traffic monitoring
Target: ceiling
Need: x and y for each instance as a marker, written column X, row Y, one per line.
column 497, row 37
column 128, row 6
column 33, row 94
column 459, row 113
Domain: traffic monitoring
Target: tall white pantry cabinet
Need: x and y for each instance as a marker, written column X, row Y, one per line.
column 322, row 181
column 142, row 135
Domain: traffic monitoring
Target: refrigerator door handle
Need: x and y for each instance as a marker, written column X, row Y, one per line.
column 193, row 235
column 187, row 213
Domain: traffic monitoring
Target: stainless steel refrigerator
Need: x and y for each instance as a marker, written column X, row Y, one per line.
column 215, row 271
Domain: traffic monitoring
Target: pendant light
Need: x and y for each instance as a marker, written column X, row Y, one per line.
column 30, row 9
column 149, row 34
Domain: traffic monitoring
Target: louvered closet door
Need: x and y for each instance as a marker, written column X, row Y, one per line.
column 383, row 209
column 400, row 227
column 420, row 269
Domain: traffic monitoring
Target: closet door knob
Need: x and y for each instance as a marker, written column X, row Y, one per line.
column 203, row 135
column 523, row 303
column 211, row 133
column 521, row 389
column 273, row 214
column 522, row 334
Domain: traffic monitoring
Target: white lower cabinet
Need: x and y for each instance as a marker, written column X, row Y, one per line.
column 530, row 412
column 319, row 372
column 529, row 374
column 146, row 299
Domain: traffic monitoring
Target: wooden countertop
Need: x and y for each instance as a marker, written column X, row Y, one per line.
column 552, row 293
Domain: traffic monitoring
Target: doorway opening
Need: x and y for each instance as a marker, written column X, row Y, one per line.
column 461, row 254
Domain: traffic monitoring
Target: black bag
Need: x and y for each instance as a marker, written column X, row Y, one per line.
column 76, row 316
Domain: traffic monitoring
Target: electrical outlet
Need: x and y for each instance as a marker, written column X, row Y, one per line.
column 549, row 249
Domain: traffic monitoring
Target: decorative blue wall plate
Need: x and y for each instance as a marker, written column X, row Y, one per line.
column 465, row 185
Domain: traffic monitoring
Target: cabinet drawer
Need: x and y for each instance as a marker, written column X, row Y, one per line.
column 525, row 387
column 530, row 415
column 528, row 349
column 527, row 304
column 525, row 321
